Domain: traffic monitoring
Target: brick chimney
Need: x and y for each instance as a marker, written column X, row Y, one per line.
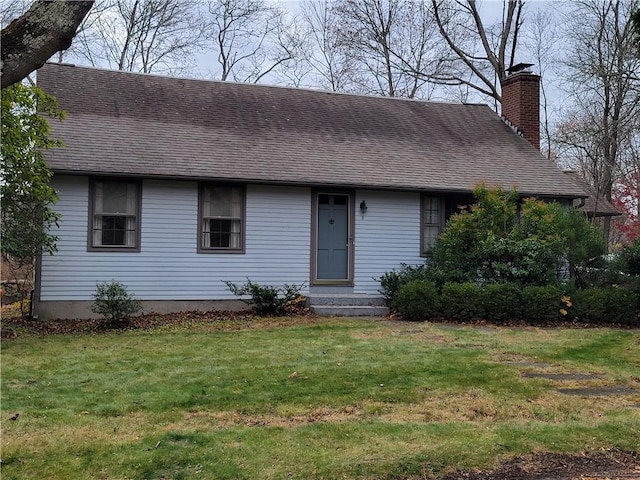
column 521, row 101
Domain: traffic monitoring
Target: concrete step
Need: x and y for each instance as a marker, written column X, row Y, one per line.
column 350, row 310
column 346, row 299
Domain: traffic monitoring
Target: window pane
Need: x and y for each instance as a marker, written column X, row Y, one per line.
column 224, row 233
column 115, row 220
column 220, row 232
column 431, row 216
column 114, row 198
column 113, row 230
column 430, row 236
column 222, row 202
column 431, row 210
column 222, row 212
column 236, row 202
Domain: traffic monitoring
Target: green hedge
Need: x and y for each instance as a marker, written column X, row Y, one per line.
column 542, row 304
column 505, row 302
column 462, row 301
column 391, row 282
column 418, row 300
column 501, row 302
column 606, row 305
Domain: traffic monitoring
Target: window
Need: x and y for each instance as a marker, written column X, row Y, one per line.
column 221, row 218
column 431, row 222
column 435, row 213
column 115, row 214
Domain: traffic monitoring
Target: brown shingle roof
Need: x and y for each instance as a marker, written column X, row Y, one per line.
column 134, row 124
column 595, row 205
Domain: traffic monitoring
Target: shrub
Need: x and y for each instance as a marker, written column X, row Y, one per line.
column 600, row 273
column 632, row 255
column 501, row 302
column 390, row 282
column 461, row 301
column 267, row 300
column 620, row 270
column 494, row 243
column 417, row 300
column 606, row 305
column 622, row 306
column 590, row 304
column 543, row 304
column 630, row 259
column 114, row 302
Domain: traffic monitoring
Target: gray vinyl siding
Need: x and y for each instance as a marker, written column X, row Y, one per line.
column 168, row 265
column 388, row 235
column 278, row 235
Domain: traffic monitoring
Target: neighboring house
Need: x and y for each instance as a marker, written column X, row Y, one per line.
column 595, row 205
column 173, row 186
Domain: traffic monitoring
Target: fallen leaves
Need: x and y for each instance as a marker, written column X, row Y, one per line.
column 211, row 320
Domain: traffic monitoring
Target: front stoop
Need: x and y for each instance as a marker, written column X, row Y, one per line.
column 348, row 305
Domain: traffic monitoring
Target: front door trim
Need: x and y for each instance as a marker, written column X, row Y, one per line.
column 315, row 193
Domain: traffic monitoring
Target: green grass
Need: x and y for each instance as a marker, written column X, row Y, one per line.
column 366, row 400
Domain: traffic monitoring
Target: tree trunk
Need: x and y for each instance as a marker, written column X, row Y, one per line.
column 46, row 28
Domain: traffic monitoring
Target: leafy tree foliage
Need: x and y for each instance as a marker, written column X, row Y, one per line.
column 500, row 239
column 26, row 195
column 626, row 199
column 629, row 259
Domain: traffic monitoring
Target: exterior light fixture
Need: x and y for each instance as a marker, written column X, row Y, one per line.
column 363, row 208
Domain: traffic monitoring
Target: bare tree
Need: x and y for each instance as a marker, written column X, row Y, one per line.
column 251, row 39
column 536, row 38
column 12, row 9
column 30, row 40
column 636, row 24
column 329, row 65
column 480, row 52
column 140, row 35
column 601, row 74
column 390, row 46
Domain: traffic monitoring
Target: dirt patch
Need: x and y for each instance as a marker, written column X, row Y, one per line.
column 530, row 364
column 609, row 465
column 598, row 391
column 416, row 330
column 563, row 376
column 199, row 420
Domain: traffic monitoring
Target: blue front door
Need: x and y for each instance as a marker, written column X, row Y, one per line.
column 332, row 252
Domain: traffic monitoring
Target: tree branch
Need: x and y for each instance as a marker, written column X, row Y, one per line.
column 46, row 28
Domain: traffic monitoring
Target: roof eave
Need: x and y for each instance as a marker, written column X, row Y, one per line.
column 313, row 184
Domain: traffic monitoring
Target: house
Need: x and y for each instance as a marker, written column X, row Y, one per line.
column 174, row 186
column 595, row 205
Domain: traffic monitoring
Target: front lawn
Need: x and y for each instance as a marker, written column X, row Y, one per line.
column 321, row 398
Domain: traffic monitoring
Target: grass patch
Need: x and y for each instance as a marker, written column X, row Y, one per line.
column 323, row 399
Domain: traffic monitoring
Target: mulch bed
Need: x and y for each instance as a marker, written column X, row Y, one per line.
column 609, row 465
column 12, row 326
column 17, row 327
